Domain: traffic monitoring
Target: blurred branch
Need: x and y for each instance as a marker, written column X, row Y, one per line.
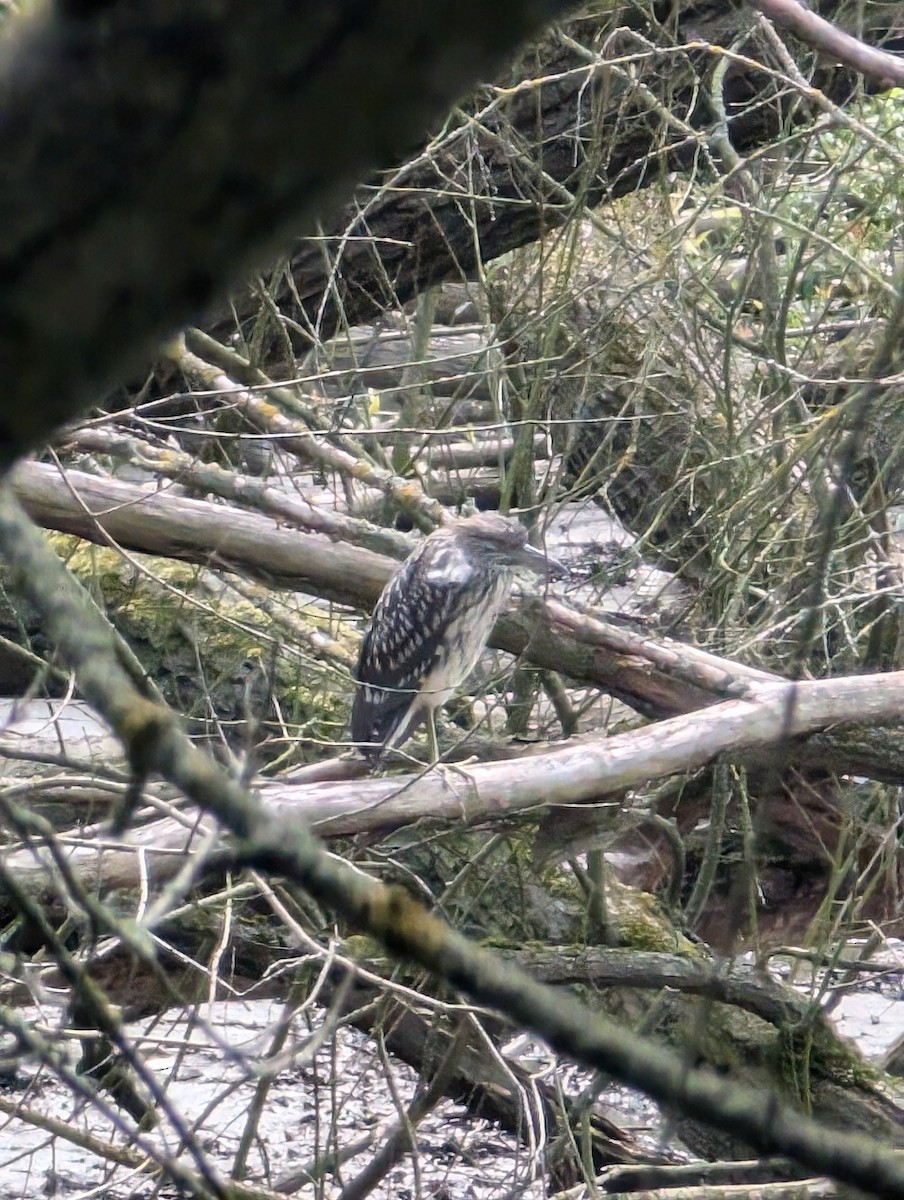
column 266, row 114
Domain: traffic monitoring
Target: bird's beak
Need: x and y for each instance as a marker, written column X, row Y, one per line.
column 532, row 559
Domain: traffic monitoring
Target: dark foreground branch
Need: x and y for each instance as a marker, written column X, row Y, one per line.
column 155, row 744
column 153, row 153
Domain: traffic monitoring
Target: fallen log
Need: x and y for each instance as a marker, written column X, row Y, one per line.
column 579, row 771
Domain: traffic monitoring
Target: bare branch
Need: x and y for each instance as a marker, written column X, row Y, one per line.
column 883, row 68
column 575, row 772
column 657, row 676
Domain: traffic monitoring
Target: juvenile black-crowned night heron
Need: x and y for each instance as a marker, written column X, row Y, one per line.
column 431, row 624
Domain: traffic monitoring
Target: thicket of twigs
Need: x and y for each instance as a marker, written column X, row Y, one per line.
column 643, row 289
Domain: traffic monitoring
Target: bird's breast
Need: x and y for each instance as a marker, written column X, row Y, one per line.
column 462, row 642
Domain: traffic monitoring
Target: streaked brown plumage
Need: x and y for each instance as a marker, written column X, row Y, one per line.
column 431, row 624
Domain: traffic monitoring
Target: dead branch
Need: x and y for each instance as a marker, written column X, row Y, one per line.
column 439, row 217
column 883, row 68
column 343, row 458
column 165, row 523
column 575, row 773
column 249, row 492
column 753, row 991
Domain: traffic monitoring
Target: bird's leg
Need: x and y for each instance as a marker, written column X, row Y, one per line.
column 436, row 763
column 432, row 739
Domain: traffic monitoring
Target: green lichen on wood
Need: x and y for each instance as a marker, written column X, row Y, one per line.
column 212, row 652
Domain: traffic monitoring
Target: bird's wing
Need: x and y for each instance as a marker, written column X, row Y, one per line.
column 400, row 648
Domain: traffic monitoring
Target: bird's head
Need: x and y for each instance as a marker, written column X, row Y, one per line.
column 500, row 541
